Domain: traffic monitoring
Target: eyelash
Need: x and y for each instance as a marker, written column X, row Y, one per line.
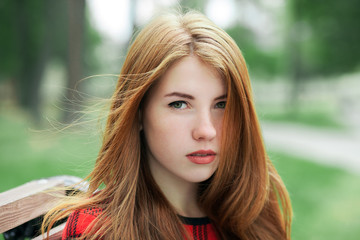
column 172, row 105
column 222, row 102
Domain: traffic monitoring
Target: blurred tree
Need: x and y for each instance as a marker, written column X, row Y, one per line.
column 260, row 62
column 323, row 39
column 33, row 33
column 76, row 10
column 26, row 28
column 328, row 35
column 198, row 5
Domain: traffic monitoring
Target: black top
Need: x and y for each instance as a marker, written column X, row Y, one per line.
column 194, row 220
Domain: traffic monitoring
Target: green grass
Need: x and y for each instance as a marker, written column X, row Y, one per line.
column 326, row 200
column 26, row 154
column 312, row 113
column 315, row 119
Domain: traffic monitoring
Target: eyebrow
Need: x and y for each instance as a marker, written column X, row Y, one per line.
column 221, row 97
column 184, row 95
column 178, row 94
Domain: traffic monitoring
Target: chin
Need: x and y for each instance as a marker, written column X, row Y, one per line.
column 198, row 178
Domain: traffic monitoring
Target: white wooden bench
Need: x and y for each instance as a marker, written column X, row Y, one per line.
column 22, row 208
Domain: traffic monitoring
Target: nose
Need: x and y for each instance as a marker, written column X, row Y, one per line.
column 204, row 128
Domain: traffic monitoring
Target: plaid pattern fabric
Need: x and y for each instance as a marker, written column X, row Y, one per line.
column 78, row 222
column 198, row 228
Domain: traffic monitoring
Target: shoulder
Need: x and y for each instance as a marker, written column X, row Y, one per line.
column 78, row 222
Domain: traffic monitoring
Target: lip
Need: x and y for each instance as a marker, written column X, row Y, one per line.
column 208, row 156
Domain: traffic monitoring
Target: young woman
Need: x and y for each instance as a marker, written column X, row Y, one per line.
column 182, row 154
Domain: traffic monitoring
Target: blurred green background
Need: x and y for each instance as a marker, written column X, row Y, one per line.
column 59, row 59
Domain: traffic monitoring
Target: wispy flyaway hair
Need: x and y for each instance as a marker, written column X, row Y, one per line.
column 245, row 198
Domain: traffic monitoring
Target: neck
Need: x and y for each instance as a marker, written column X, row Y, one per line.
column 181, row 194
column 184, row 199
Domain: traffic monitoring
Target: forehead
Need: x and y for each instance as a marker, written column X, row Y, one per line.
column 191, row 75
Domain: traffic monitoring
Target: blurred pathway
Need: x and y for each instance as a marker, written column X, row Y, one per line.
column 336, row 148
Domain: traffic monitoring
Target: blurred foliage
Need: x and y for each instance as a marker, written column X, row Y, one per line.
column 322, row 39
column 198, row 5
column 92, row 39
column 327, row 35
column 35, row 33
column 318, row 119
column 13, row 17
column 28, row 32
column 259, row 61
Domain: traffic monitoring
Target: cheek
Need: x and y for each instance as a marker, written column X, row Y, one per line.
column 165, row 133
column 219, row 127
column 169, row 129
column 218, row 122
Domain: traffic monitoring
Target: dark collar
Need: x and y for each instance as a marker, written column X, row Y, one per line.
column 194, row 220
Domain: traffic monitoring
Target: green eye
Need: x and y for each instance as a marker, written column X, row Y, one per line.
column 221, row 104
column 178, row 104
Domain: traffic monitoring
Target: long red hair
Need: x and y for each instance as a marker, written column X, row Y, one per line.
column 245, row 198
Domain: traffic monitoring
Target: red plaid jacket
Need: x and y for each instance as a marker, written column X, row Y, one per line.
column 198, row 228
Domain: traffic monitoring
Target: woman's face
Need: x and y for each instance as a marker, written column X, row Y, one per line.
column 182, row 120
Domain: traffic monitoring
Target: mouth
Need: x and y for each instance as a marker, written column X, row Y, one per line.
column 202, row 156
